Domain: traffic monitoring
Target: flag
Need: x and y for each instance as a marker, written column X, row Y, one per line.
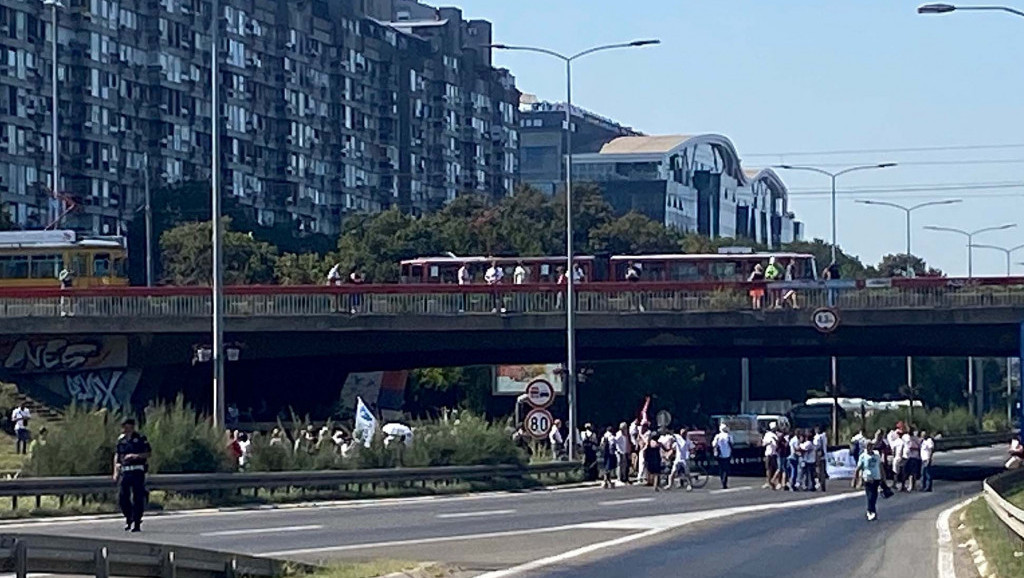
column 643, row 412
column 366, row 424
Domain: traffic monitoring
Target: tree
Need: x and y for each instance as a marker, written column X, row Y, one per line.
column 850, row 267
column 377, row 243
column 589, row 211
column 898, row 265
column 6, row 224
column 633, row 234
column 187, row 252
column 302, row 269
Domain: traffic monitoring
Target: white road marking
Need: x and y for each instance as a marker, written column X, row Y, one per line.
column 947, row 569
column 995, row 458
column 621, row 502
column 262, row 531
column 415, row 541
column 652, row 526
column 476, row 514
column 730, row 490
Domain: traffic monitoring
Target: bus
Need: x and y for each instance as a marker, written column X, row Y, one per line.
column 34, row 259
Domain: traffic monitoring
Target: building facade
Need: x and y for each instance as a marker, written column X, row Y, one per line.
column 692, row 183
column 326, row 108
column 542, row 135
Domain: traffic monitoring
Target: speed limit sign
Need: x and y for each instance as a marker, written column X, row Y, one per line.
column 538, row 423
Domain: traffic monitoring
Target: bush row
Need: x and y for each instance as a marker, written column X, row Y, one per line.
column 952, row 421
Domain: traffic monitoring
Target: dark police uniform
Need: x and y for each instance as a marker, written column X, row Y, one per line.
column 132, row 480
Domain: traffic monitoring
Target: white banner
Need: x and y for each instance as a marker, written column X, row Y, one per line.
column 840, row 465
column 513, row 379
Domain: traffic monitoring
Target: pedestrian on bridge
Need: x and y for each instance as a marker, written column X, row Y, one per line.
column 131, row 459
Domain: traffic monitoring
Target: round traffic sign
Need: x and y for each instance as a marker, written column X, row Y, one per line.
column 538, row 423
column 825, row 320
column 540, row 393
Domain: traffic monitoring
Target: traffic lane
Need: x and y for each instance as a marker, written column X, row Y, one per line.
column 822, row 540
column 328, row 528
column 983, row 456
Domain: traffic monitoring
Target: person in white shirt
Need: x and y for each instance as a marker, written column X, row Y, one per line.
column 334, row 275
column 912, row 459
column 820, row 454
column 20, row 416
column 793, row 463
column 643, row 437
column 623, row 451
column 898, row 458
column 722, row 447
column 578, row 276
column 244, row 451
column 519, row 274
column 927, row 451
column 556, row 439
column 494, row 277
column 808, row 461
column 682, row 447
column 770, row 443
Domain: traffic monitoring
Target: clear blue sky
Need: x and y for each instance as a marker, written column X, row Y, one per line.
column 779, row 76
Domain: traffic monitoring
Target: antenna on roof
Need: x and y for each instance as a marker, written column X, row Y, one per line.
column 450, row 254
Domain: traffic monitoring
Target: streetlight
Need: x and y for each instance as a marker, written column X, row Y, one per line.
column 54, row 102
column 910, row 272
column 834, row 176
column 970, row 275
column 570, row 282
column 970, row 240
column 1009, row 251
column 835, row 361
column 215, row 225
column 946, row 8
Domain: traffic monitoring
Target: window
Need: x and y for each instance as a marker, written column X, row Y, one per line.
column 724, row 272
column 682, row 271
column 45, row 266
column 13, row 267
column 78, row 263
column 101, row 265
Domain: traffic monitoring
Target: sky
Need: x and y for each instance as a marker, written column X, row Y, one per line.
column 782, row 78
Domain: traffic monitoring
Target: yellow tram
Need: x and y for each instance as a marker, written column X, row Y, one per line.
column 31, row 259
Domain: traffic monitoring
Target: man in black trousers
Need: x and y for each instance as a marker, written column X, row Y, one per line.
column 130, row 465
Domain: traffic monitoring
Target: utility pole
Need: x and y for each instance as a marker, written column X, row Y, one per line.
column 149, row 223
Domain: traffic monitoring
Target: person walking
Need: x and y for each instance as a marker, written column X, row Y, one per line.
column 912, row 459
column 682, row 448
column 793, row 462
column 652, row 462
column 67, row 283
column 22, row 435
column 808, row 461
column 494, row 276
column 869, row 471
column 927, row 452
column 770, row 443
column 820, row 456
column 609, row 458
column 556, row 440
column 623, row 451
column 589, row 443
column 722, row 447
column 131, row 457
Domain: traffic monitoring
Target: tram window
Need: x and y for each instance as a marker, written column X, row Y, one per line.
column 79, row 263
column 14, row 267
column 45, row 266
column 121, row 267
column 723, row 271
column 435, row 272
column 683, row 271
column 101, row 265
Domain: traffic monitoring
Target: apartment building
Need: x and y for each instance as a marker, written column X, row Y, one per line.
column 326, row 108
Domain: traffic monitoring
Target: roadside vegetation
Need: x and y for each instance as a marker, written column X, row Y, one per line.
column 1004, row 555
column 950, row 422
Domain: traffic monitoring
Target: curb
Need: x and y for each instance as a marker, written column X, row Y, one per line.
column 946, row 561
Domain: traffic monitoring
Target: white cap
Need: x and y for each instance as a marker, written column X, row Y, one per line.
column 773, row 426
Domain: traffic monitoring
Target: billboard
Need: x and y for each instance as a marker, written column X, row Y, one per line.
column 513, row 379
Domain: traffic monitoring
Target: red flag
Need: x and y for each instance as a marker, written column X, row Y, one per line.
column 643, row 412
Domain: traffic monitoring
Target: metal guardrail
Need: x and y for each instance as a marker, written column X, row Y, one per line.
column 29, row 553
column 84, row 486
column 1011, row 516
column 957, row 442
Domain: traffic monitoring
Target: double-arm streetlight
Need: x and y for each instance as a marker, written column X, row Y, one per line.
column 570, row 282
column 970, row 240
column 834, row 176
column 946, row 8
column 1008, row 251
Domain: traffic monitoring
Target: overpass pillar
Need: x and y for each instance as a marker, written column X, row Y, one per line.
column 744, row 384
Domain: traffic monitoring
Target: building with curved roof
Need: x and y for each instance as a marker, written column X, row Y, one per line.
column 691, row 182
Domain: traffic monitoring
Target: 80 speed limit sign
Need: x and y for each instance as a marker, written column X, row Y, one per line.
column 538, row 423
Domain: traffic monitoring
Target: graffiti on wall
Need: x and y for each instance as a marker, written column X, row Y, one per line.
column 58, row 354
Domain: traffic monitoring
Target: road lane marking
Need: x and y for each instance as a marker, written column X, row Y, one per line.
column 652, row 526
column 730, row 490
column 262, row 531
column 621, row 502
column 415, row 541
column 947, row 567
column 959, row 462
column 476, row 514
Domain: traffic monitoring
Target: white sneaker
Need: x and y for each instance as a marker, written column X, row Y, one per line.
column 872, row 516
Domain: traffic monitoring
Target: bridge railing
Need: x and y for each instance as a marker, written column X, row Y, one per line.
column 292, row 301
column 1011, row 516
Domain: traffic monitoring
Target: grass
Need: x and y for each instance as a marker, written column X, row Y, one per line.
column 1016, row 497
column 994, row 540
column 9, row 460
column 162, row 501
column 371, row 569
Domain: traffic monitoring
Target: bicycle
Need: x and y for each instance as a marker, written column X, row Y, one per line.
column 698, row 476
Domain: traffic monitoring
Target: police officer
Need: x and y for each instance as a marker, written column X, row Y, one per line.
column 130, row 464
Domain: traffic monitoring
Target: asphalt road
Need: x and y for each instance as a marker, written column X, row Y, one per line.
column 581, row 531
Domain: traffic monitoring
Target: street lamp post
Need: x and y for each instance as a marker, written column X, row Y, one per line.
column 834, row 361
column 570, row 281
column 215, row 225
column 947, row 8
column 54, row 102
column 910, row 272
column 970, row 275
column 1009, row 251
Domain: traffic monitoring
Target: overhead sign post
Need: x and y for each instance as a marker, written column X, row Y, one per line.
column 538, row 423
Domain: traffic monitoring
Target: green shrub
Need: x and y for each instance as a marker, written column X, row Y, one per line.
column 82, row 445
column 184, row 441
column 953, row 421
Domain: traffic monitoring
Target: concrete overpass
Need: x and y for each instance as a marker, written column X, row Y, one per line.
column 111, row 339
